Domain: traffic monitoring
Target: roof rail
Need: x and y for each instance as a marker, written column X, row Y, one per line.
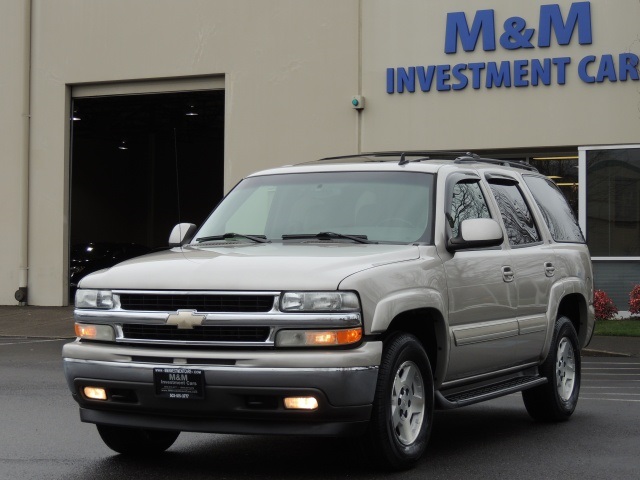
column 456, row 156
column 495, row 161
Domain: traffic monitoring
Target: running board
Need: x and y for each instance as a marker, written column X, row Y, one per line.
column 468, row 397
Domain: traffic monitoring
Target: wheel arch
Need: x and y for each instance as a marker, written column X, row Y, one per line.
column 428, row 326
column 574, row 306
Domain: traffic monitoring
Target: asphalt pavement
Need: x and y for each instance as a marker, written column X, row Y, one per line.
column 57, row 322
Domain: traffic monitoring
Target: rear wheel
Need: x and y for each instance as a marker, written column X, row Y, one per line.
column 137, row 441
column 557, row 399
column 403, row 406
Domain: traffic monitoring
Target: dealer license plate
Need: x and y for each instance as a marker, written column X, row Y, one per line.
column 179, row 383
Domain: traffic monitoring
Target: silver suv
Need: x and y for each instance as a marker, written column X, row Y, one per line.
column 347, row 296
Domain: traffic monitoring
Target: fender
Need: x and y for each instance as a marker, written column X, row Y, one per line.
column 396, row 303
column 559, row 290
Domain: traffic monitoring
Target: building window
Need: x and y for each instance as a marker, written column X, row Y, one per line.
column 613, row 202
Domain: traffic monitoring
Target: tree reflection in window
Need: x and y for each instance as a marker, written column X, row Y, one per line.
column 516, row 215
column 468, row 202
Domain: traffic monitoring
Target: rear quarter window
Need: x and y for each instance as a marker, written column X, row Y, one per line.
column 555, row 209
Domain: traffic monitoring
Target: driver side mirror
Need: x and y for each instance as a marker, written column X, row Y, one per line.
column 181, row 234
column 476, row 233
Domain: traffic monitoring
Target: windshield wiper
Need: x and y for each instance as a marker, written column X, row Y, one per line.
column 224, row 236
column 327, row 236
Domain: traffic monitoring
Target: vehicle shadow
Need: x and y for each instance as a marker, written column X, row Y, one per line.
column 459, row 437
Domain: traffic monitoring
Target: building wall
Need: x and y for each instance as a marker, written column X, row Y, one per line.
column 290, row 68
column 14, row 120
column 284, row 101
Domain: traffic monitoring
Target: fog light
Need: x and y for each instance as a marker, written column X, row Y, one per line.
column 95, row 393
column 300, row 403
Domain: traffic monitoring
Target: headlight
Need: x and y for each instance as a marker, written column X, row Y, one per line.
column 94, row 299
column 319, row 302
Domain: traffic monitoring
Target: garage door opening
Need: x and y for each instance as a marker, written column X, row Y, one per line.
column 139, row 165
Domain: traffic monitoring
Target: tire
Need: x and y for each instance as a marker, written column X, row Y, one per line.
column 402, row 414
column 557, row 399
column 136, row 441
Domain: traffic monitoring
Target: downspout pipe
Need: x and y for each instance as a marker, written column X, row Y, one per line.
column 21, row 294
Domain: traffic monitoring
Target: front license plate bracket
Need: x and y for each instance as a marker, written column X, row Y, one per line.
column 179, row 383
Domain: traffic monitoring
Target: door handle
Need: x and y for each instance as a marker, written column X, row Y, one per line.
column 507, row 274
column 549, row 269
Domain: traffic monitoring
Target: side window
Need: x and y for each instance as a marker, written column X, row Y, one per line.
column 556, row 211
column 468, row 202
column 521, row 229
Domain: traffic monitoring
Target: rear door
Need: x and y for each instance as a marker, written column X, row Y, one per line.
column 533, row 266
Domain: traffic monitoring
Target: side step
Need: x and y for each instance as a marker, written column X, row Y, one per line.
column 486, row 392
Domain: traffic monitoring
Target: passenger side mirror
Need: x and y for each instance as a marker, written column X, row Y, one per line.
column 476, row 233
column 181, row 234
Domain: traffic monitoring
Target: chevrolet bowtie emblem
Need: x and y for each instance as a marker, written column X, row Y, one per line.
column 185, row 319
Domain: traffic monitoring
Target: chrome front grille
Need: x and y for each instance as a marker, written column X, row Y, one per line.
column 213, row 303
column 228, row 319
column 205, row 333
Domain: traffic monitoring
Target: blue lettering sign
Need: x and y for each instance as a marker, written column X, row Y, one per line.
column 628, row 65
column 561, row 63
column 606, row 69
column 517, row 72
column 541, row 71
column 443, row 76
column 425, row 77
column 406, row 78
column 498, row 76
column 582, row 69
column 391, row 86
column 516, row 35
column 551, row 19
column 458, row 74
column 477, row 68
column 457, row 27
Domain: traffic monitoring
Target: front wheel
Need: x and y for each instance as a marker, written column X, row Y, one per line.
column 557, row 399
column 137, row 441
column 403, row 405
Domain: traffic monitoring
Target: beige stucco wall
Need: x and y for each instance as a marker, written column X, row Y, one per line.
column 14, row 61
column 290, row 68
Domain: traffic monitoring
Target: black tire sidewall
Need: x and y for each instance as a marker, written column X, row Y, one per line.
column 399, row 349
column 564, row 329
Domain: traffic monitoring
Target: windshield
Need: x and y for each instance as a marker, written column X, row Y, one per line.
column 385, row 207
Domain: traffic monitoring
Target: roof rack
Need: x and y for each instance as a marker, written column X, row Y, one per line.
column 495, row 161
column 456, row 156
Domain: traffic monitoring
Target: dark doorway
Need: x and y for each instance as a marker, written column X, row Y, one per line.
column 131, row 155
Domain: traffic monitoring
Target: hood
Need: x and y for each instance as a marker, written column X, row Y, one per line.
column 265, row 266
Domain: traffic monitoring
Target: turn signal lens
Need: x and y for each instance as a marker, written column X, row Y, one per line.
column 104, row 333
column 95, row 393
column 300, row 403
column 318, row 338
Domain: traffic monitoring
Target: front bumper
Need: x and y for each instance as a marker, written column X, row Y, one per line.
column 244, row 390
